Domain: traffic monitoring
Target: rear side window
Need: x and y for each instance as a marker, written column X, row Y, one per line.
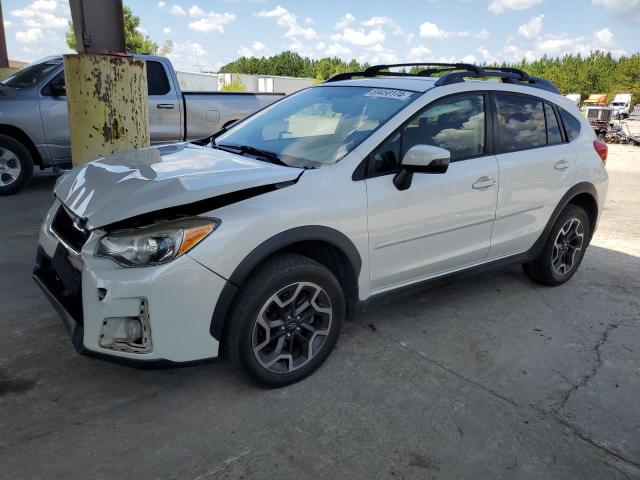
column 521, row 123
column 571, row 124
column 553, row 127
column 157, row 81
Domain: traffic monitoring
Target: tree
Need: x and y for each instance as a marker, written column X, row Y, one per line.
column 235, row 85
column 135, row 41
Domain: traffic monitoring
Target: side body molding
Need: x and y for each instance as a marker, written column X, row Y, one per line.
column 278, row 242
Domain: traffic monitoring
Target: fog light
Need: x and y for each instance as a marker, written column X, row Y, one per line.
column 133, row 329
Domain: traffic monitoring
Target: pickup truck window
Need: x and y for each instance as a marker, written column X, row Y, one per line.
column 30, row 76
column 157, row 81
column 318, row 126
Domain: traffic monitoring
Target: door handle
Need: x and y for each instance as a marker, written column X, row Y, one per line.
column 562, row 165
column 484, row 183
column 167, row 106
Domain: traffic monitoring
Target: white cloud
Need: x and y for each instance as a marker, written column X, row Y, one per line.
column 468, row 59
column 177, row 10
column 605, row 38
column 628, row 10
column 499, row 6
column 431, row 30
column 30, row 35
column 359, row 36
column 419, row 53
column 336, row 50
column 7, row 23
column 47, row 14
column 560, row 45
column 289, row 21
column 166, row 30
column 344, row 22
column 532, row 28
column 379, row 21
column 209, row 21
column 161, row 4
column 257, row 49
column 185, row 55
column 309, row 21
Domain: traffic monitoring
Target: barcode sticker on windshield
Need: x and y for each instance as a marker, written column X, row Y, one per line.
column 388, row 93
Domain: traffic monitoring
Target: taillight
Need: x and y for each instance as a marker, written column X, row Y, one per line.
column 601, row 149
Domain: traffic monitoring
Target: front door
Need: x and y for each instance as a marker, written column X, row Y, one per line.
column 442, row 222
column 55, row 120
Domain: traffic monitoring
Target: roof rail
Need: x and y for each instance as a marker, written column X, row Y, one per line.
column 452, row 73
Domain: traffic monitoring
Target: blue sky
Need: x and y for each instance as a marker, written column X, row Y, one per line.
column 207, row 34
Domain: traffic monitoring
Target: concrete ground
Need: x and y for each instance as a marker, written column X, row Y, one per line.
column 488, row 377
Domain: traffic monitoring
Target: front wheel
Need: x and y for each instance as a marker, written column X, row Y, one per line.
column 564, row 250
column 285, row 321
column 16, row 165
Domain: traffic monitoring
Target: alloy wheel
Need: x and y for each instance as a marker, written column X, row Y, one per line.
column 10, row 167
column 567, row 246
column 292, row 327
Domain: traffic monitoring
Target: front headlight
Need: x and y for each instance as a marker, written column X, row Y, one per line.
column 156, row 244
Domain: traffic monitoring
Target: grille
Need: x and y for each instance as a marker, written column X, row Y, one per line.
column 63, row 226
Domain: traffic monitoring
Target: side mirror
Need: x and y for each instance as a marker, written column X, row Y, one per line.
column 421, row 159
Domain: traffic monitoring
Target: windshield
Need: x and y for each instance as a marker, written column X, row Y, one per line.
column 31, row 75
column 618, row 104
column 318, row 126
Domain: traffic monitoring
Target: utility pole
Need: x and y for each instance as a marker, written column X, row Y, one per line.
column 4, row 60
column 106, row 88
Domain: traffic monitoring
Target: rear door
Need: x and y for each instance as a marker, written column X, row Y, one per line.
column 165, row 123
column 537, row 167
column 442, row 222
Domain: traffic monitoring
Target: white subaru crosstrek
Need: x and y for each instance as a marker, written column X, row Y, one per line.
column 262, row 241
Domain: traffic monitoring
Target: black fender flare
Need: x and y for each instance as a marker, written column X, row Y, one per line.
column 579, row 188
column 268, row 247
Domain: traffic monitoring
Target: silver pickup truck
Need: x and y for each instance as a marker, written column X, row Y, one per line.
column 34, row 127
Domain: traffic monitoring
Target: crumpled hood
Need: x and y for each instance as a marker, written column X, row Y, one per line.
column 140, row 181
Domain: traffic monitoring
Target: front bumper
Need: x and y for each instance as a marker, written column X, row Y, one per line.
column 179, row 297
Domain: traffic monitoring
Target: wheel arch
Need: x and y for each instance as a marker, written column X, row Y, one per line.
column 325, row 245
column 584, row 195
column 20, row 136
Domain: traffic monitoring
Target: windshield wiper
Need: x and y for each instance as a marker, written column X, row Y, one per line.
column 258, row 152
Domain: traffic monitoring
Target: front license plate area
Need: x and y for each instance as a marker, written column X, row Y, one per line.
column 69, row 277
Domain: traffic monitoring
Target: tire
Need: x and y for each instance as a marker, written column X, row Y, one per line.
column 16, row 166
column 561, row 249
column 294, row 280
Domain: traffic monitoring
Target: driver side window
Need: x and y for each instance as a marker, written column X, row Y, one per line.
column 456, row 124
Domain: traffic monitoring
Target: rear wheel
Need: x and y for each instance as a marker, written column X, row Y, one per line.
column 285, row 321
column 564, row 250
column 16, row 165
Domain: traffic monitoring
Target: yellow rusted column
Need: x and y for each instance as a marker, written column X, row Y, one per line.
column 108, row 106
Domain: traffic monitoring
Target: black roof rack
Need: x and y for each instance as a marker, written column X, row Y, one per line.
column 452, row 73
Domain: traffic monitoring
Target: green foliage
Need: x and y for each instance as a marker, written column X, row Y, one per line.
column 235, row 85
column 135, row 41
column 598, row 72
column 291, row 64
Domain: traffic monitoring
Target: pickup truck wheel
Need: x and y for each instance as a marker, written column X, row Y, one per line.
column 285, row 320
column 16, row 165
column 564, row 250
